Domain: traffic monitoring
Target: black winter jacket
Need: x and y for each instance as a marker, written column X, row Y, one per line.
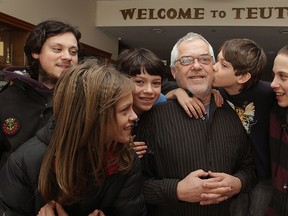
column 25, row 107
column 118, row 195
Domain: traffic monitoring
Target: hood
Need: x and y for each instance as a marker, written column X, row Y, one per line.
column 15, row 72
column 45, row 133
column 18, row 72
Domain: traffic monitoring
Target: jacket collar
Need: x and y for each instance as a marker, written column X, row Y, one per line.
column 20, row 73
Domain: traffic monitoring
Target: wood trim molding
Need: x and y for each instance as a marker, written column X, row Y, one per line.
column 15, row 23
column 94, row 51
column 18, row 24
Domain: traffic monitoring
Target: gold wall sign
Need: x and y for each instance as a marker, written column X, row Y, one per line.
column 245, row 13
column 192, row 13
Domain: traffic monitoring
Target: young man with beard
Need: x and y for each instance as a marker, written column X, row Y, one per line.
column 51, row 48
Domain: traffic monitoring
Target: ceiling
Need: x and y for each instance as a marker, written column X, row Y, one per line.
column 160, row 40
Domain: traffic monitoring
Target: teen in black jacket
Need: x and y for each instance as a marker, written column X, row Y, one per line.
column 88, row 162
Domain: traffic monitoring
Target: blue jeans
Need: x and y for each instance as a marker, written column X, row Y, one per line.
column 253, row 203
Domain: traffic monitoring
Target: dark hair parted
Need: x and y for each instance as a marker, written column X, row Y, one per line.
column 133, row 61
column 246, row 57
column 83, row 147
column 39, row 35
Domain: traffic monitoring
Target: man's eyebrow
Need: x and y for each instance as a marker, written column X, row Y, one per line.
column 282, row 72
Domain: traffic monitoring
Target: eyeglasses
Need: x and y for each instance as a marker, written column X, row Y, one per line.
column 188, row 60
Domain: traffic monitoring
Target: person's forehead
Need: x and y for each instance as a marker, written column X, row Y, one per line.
column 221, row 56
column 65, row 38
column 280, row 64
column 196, row 46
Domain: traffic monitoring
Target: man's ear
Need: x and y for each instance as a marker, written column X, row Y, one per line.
column 35, row 55
column 173, row 72
column 244, row 78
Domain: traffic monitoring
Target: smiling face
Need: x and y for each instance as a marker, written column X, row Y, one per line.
column 280, row 81
column 147, row 89
column 58, row 53
column 197, row 78
column 125, row 117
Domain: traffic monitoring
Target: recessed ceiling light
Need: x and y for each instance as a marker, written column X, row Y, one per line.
column 158, row 30
column 284, row 31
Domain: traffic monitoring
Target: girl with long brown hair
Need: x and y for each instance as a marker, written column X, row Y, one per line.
column 89, row 163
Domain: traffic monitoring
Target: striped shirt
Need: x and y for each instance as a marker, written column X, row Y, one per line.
column 179, row 145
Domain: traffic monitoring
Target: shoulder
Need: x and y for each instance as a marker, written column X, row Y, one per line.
column 161, row 99
column 226, row 107
column 166, row 105
column 264, row 84
column 263, row 94
column 29, row 155
column 260, row 94
column 263, row 87
column 7, row 88
column 162, row 109
column 14, row 87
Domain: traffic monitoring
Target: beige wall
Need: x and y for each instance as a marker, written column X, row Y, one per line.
column 80, row 13
column 202, row 13
column 88, row 15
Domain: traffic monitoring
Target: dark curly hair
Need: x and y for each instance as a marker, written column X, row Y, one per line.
column 39, row 35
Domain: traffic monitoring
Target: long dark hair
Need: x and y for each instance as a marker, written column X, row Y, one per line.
column 82, row 148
